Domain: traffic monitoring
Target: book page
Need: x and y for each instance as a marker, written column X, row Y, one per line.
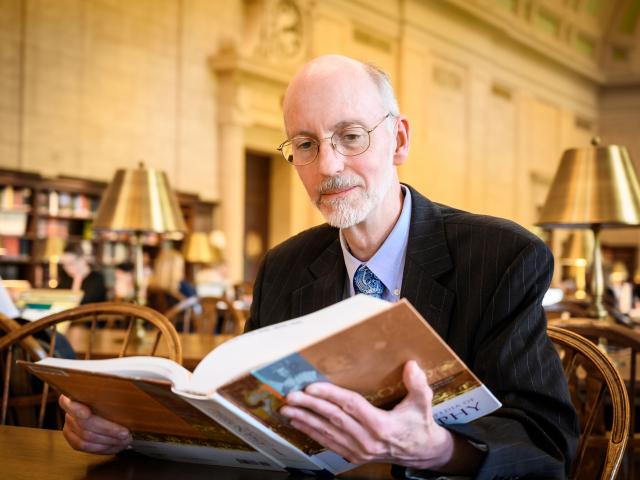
column 151, row 368
column 253, row 349
column 367, row 357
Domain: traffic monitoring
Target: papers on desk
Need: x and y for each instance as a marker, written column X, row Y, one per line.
column 39, row 302
column 211, row 289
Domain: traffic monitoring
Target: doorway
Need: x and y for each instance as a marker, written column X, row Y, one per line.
column 256, row 211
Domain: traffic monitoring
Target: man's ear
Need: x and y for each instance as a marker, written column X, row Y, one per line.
column 401, row 151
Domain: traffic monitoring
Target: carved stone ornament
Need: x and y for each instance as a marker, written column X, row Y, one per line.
column 274, row 30
column 287, row 28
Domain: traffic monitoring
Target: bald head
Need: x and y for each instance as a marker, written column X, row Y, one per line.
column 336, row 74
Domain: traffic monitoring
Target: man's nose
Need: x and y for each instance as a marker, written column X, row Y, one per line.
column 329, row 161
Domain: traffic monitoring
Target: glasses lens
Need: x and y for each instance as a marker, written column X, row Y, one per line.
column 303, row 150
column 351, row 140
column 287, row 152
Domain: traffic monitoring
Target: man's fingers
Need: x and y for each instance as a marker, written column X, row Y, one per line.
column 82, row 419
column 91, row 433
column 303, row 416
column 327, row 442
column 333, row 412
column 79, row 443
column 326, row 433
column 94, row 430
column 351, row 403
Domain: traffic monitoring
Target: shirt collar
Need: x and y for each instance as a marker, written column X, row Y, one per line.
column 388, row 262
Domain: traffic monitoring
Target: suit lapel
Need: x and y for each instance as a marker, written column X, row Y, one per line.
column 427, row 259
column 325, row 284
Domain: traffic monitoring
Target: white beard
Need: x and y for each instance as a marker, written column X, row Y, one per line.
column 353, row 209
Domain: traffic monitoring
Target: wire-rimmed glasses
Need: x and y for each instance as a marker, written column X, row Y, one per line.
column 348, row 141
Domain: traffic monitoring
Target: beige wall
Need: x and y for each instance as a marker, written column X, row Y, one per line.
column 187, row 85
column 91, row 86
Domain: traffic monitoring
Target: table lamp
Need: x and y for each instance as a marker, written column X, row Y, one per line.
column 139, row 201
column 53, row 249
column 576, row 253
column 594, row 187
column 197, row 250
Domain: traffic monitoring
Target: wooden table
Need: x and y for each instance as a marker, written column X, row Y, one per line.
column 27, row 453
column 108, row 342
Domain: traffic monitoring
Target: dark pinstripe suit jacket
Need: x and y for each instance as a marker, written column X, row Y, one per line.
column 479, row 282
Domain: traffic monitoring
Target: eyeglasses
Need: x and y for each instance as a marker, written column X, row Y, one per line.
column 348, row 141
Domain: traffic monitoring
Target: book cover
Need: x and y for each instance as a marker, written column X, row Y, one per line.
column 361, row 344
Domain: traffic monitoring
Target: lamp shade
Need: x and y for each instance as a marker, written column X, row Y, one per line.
column 197, row 249
column 139, row 200
column 597, row 185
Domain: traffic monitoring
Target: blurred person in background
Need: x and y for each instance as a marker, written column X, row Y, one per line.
column 124, row 284
column 77, row 275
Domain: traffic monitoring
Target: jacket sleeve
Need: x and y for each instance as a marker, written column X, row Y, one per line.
column 535, row 433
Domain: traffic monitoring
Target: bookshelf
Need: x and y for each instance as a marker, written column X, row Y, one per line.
column 35, row 207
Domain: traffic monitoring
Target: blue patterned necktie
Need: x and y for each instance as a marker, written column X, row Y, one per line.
column 364, row 281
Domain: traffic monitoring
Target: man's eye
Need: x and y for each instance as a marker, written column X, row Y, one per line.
column 303, row 145
column 352, row 136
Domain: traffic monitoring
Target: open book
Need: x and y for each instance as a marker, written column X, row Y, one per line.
column 226, row 411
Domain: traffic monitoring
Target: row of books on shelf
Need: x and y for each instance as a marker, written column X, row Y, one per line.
column 66, row 204
column 76, row 205
column 15, row 247
column 55, row 227
column 15, row 199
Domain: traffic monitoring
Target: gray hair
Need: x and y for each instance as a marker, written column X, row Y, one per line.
column 383, row 83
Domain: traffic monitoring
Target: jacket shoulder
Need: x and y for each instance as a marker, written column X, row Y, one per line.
column 496, row 225
column 308, row 243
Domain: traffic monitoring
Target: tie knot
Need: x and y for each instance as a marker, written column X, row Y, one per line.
column 365, row 281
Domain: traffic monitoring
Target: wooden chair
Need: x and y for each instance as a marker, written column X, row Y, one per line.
column 205, row 314
column 20, row 380
column 623, row 344
column 591, row 375
column 90, row 316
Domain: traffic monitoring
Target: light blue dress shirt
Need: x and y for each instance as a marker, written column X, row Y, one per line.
column 388, row 262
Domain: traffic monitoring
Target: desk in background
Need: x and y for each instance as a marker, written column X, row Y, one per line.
column 107, row 343
column 27, row 453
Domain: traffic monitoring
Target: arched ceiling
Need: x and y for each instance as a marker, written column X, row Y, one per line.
column 597, row 38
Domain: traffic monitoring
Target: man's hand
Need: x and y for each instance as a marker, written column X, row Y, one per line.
column 89, row 433
column 346, row 423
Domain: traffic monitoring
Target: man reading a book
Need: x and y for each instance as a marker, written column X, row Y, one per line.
column 478, row 280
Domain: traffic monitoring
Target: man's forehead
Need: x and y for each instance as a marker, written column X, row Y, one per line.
column 318, row 111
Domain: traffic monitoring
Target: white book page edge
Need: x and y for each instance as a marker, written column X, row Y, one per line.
column 154, row 368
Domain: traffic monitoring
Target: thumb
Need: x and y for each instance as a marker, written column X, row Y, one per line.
column 418, row 390
column 75, row 409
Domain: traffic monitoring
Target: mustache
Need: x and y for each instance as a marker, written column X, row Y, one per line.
column 332, row 184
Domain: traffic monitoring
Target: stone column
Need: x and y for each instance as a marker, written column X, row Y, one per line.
column 231, row 151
